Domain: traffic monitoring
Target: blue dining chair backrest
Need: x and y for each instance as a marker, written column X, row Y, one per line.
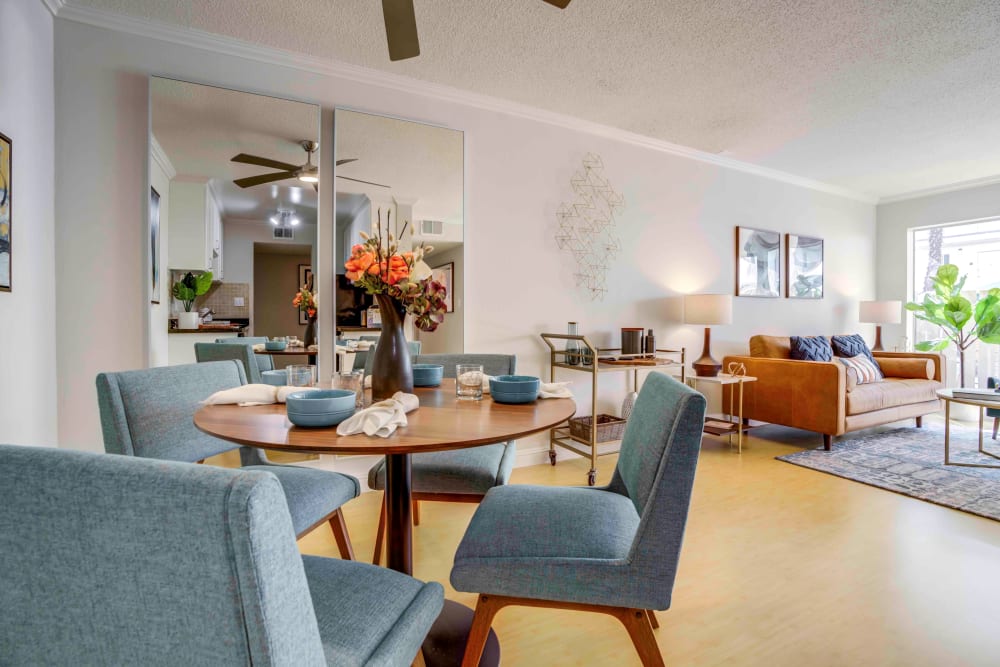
column 264, row 361
column 225, row 351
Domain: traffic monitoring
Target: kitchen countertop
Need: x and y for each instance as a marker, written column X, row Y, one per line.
column 236, row 328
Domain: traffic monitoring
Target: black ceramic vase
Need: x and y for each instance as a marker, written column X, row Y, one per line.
column 392, row 369
column 310, row 336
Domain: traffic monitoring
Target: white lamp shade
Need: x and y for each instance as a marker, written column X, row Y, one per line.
column 880, row 312
column 708, row 308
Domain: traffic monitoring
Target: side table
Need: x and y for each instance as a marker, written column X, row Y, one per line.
column 732, row 421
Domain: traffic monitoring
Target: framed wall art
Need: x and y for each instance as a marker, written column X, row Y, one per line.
column 445, row 274
column 758, row 263
column 6, row 211
column 305, row 280
column 804, row 255
column 154, row 246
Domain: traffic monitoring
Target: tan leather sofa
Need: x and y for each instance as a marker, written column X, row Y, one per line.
column 823, row 396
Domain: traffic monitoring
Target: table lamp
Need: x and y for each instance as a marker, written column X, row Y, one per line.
column 879, row 313
column 707, row 309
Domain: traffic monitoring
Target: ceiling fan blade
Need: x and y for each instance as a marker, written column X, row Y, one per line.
column 561, row 4
column 266, row 178
column 400, row 29
column 358, row 180
column 340, row 162
column 264, row 162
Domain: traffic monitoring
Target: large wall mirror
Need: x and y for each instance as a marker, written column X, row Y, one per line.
column 415, row 172
column 233, row 190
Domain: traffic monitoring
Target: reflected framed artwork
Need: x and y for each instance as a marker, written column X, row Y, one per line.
column 6, row 208
column 154, row 246
column 758, row 263
column 804, row 255
column 445, row 274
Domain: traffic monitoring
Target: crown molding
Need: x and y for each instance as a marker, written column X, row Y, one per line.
column 200, row 39
column 161, row 158
column 54, row 6
column 941, row 189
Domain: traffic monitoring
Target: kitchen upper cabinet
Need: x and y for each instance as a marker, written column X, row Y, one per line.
column 195, row 239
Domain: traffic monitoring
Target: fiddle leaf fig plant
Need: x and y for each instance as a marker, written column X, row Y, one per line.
column 948, row 309
column 190, row 287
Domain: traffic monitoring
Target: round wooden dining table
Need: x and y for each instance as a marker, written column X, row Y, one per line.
column 442, row 422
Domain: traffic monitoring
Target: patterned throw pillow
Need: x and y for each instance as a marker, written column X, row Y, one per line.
column 866, row 369
column 851, row 346
column 811, row 348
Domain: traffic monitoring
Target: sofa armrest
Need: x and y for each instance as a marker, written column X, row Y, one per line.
column 803, row 394
column 908, row 367
column 936, row 358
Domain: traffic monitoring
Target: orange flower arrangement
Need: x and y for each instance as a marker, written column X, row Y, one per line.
column 307, row 301
column 379, row 267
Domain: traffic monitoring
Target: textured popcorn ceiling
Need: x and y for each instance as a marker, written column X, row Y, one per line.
column 877, row 96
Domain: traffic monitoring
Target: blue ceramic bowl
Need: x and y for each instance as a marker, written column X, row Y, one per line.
column 275, row 345
column 319, row 419
column 502, row 397
column 316, row 401
column 514, row 384
column 278, row 378
column 427, row 375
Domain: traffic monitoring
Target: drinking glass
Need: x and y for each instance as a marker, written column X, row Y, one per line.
column 353, row 381
column 469, row 382
column 301, row 375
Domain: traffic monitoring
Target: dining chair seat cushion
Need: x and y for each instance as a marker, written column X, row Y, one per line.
column 311, row 494
column 264, row 361
column 472, row 471
column 389, row 613
column 551, row 543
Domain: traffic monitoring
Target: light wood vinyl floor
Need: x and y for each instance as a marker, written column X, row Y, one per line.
column 781, row 566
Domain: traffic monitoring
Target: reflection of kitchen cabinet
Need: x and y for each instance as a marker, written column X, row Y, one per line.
column 195, row 232
column 586, row 436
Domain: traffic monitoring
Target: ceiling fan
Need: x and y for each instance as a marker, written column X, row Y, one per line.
column 401, row 27
column 307, row 173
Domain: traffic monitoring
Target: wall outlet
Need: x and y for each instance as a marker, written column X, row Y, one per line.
column 239, row 301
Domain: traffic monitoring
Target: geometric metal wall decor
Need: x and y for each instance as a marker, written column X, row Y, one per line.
column 587, row 226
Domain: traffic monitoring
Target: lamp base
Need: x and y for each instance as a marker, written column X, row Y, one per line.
column 705, row 366
column 878, row 338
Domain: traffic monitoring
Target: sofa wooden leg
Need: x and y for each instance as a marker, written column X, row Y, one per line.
column 827, row 441
column 920, row 422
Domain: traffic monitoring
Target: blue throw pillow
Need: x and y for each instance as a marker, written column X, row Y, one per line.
column 851, row 346
column 811, row 348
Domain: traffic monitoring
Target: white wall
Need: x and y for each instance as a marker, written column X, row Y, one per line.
column 897, row 218
column 677, row 230
column 159, row 313
column 28, row 312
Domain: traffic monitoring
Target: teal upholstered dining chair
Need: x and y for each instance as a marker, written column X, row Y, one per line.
column 149, row 413
column 611, row 549
column 264, row 361
column 112, row 560
column 244, row 354
column 459, row 476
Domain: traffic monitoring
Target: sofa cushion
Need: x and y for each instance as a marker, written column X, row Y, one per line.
column 865, row 370
column 903, row 367
column 811, row 348
column 890, row 393
column 772, row 347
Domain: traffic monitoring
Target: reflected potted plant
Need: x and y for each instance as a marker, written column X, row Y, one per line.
column 946, row 307
column 186, row 290
column 401, row 283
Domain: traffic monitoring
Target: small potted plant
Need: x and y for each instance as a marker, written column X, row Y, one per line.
column 186, row 290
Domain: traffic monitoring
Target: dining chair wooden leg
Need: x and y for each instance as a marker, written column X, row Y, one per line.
column 486, row 608
column 416, row 512
column 636, row 621
column 652, row 619
column 379, row 534
column 996, row 425
column 339, row 527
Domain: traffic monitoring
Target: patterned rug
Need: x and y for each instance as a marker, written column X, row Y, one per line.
column 910, row 461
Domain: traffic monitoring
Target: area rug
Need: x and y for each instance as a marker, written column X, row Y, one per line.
column 910, row 461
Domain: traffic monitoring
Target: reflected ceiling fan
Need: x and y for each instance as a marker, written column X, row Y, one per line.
column 307, row 173
column 401, row 27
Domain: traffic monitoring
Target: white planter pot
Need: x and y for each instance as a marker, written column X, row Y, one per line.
column 188, row 320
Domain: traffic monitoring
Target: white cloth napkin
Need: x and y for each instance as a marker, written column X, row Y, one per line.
column 382, row 418
column 259, row 347
column 251, row 394
column 554, row 390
